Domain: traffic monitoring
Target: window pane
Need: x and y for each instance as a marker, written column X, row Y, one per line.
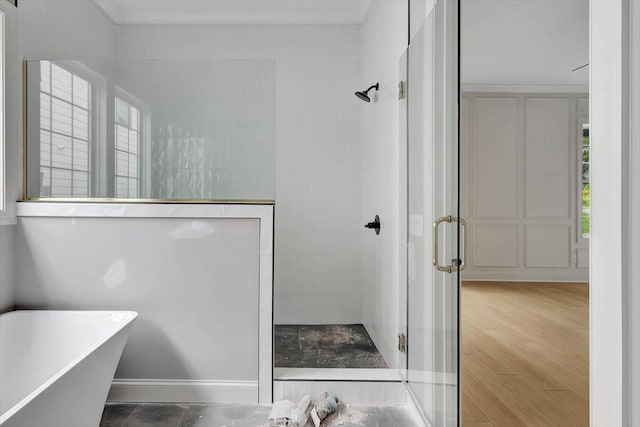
column 80, row 123
column 45, row 184
column 133, row 166
column 60, row 183
column 45, row 148
column 45, row 76
column 122, row 163
column 135, row 118
column 61, row 116
column 122, row 187
column 122, row 112
column 122, row 138
column 60, row 83
column 80, row 184
column 61, row 151
column 586, row 188
column 133, row 187
column 586, row 210
column 45, row 111
column 80, row 155
column 133, row 142
column 80, row 92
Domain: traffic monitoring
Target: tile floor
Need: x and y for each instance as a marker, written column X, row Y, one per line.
column 325, row 346
column 174, row 415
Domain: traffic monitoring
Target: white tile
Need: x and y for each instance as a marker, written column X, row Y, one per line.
column 99, row 210
column 143, row 210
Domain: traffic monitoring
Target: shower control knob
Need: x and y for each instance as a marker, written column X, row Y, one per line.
column 375, row 225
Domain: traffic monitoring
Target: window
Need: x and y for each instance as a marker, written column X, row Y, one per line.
column 585, row 187
column 127, row 146
column 65, row 134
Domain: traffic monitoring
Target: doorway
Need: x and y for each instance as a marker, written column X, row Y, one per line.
column 524, row 142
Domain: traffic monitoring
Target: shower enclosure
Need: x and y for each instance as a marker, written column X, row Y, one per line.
column 431, row 246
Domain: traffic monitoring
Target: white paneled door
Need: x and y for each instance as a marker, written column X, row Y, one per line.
column 433, row 243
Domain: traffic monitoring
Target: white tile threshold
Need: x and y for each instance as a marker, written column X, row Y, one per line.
column 336, row 374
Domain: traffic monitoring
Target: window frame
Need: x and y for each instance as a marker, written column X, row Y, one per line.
column 89, row 109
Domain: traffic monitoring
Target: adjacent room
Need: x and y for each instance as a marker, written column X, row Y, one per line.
column 525, row 189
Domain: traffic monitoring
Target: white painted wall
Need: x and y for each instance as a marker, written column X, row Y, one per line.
column 13, row 140
column 384, row 42
column 194, row 283
column 65, row 29
column 520, row 186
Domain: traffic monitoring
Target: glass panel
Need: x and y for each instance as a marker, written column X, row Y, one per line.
column 80, row 155
column 45, row 182
column 61, row 184
column 122, row 112
column 80, row 184
column 45, row 79
column 45, row 148
column 45, row 111
column 61, row 153
column 432, row 166
column 209, row 126
column 80, row 123
column 61, row 83
column 122, row 138
column 122, row 187
column 81, row 92
column 122, row 163
column 135, row 118
column 60, row 116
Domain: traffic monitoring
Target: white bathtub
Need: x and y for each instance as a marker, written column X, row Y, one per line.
column 56, row 367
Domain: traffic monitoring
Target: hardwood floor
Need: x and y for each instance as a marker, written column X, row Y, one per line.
column 525, row 354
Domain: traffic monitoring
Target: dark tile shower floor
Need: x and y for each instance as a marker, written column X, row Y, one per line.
column 325, row 346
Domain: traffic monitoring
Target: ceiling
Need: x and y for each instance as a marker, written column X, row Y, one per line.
column 524, row 42
column 236, row 11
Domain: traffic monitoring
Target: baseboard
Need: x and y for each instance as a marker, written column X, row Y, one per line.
column 179, row 391
column 508, row 276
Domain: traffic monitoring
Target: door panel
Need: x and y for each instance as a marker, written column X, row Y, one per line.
column 432, row 193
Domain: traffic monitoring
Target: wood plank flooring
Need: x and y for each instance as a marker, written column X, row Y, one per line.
column 525, row 354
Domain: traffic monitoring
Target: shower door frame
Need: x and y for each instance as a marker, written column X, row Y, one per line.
column 449, row 191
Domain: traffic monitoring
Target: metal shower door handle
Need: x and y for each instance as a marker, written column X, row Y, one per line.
column 460, row 264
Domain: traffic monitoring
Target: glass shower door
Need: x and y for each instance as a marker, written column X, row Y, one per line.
column 433, row 255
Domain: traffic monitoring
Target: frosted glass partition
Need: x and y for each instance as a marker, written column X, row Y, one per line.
column 151, row 129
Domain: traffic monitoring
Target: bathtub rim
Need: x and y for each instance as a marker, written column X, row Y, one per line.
column 126, row 323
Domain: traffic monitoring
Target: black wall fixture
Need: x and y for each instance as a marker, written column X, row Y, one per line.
column 364, row 94
column 375, row 225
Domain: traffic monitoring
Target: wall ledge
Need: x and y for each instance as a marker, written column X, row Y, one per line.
column 133, row 210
